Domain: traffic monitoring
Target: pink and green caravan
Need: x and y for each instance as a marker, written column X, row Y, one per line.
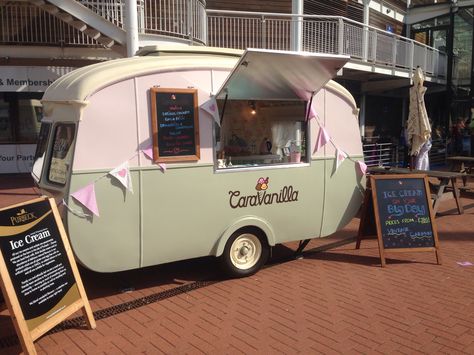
column 188, row 152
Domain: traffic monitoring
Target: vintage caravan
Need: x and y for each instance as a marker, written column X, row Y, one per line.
column 243, row 155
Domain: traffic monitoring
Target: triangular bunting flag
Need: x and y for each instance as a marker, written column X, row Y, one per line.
column 148, row 152
column 362, row 167
column 86, row 196
column 340, row 157
column 322, row 140
column 210, row 106
column 312, row 112
column 122, row 174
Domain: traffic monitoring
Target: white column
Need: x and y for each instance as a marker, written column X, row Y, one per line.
column 296, row 25
column 365, row 34
column 131, row 27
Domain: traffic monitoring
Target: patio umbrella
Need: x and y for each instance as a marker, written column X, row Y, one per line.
column 418, row 124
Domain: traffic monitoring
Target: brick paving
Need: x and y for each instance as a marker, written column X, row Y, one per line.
column 334, row 301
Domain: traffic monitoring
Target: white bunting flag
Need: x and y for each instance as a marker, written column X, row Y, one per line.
column 122, row 174
column 210, row 106
column 340, row 157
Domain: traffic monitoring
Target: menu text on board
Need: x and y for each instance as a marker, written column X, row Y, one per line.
column 175, row 124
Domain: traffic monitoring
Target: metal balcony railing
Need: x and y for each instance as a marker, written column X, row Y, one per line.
column 23, row 23
column 380, row 154
column 324, row 34
column 175, row 18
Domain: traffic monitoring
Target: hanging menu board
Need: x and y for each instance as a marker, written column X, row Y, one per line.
column 38, row 274
column 401, row 207
column 175, row 125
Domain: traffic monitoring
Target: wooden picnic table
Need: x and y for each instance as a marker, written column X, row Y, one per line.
column 446, row 179
column 462, row 164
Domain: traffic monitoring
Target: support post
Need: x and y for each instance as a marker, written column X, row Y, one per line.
column 365, row 31
column 297, row 26
column 131, row 27
column 340, row 40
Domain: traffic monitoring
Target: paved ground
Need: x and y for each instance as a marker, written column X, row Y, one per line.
column 335, row 301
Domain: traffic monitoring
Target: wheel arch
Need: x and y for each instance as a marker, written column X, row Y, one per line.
column 245, row 222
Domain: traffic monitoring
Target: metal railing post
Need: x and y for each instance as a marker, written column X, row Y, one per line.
column 189, row 20
column 374, row 47
column 410, row 60
column 264, row 32
column 365, row 43
column 425, row 62
column 394, row 51
column 205, row 29
column 340, row 36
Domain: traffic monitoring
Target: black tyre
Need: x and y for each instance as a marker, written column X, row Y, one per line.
column 245, row 253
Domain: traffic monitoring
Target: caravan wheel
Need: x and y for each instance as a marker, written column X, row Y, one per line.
column 245, row 253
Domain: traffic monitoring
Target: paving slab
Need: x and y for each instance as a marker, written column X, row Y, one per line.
column 330, row 301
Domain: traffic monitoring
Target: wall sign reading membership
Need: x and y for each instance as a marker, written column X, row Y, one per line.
column 175, row 125
column 39, row 277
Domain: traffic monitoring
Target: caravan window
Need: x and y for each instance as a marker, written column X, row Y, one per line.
column 261, row 132
column 61, row 154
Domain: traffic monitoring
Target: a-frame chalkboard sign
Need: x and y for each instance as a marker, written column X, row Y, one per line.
column 39, row 278
column 397, row 209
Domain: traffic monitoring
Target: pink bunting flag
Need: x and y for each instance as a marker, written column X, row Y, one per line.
column 148, row 152
column 340, row 157
column 86, row 196
column 362, row 167
column 210, row 106
column 122, row 174
column 312, row 112
column 322, row 140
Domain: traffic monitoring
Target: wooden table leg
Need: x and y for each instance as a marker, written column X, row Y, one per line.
column 439, row 195
column 457, row 196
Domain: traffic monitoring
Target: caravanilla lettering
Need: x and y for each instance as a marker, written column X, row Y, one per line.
column 22, row 217
column 287, row 194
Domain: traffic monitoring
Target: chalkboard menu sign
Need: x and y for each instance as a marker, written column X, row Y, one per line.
column 175, row 125
column 401, row 208
column 39, row 276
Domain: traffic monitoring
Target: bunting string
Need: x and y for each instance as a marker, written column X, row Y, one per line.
column 86, row 195
column 87, row 198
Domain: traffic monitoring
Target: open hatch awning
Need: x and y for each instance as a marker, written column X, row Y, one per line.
column 279, row 75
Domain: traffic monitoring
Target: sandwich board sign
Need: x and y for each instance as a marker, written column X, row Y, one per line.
column 39, row 278
column 397, row 208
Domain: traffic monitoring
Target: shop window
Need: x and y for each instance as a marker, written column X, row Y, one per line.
column 261, row 132
column 61, row 155
column 6, row 126
column 20, row 117
column 29, row 120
